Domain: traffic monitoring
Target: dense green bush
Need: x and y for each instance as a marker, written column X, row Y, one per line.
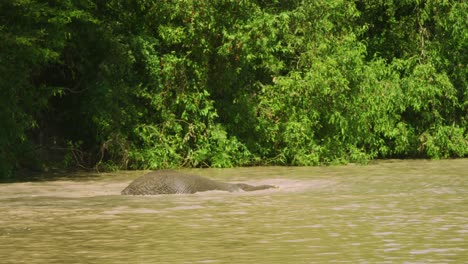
column 160, row 84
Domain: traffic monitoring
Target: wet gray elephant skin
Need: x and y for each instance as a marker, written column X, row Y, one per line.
column 172, row 182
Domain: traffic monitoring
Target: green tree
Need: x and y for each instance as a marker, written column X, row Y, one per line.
column 159, row 84
column 33, row 36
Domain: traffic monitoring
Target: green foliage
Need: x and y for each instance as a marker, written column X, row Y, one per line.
column 162, row 84
column 445, row 142
column 33, row 36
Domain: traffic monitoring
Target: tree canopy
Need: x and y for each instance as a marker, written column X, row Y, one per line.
column 158, row 84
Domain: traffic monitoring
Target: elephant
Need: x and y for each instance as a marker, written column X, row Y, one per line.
column 172, row 182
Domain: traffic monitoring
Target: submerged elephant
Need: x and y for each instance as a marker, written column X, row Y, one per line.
column 172, row 182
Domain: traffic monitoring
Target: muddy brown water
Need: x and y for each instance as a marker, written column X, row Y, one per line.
column 386, row 212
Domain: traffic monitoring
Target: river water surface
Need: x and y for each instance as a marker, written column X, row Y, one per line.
column 386, row 212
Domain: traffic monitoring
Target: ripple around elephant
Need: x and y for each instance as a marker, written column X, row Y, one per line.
column 172, row 182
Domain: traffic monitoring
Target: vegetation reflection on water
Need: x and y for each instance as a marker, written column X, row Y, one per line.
column 388, row 212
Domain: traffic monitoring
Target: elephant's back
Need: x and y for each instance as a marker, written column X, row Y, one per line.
column 170, row 182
